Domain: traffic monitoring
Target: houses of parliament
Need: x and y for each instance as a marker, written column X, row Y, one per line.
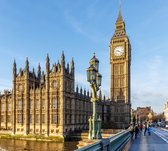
column 48, row 103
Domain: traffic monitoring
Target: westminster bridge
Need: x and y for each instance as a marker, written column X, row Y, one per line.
column 125, row 141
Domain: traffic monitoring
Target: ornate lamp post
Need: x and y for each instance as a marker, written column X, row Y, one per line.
column 94, row 78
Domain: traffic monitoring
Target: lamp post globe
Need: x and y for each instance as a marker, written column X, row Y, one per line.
column 99, row 79
column 95, row 62
column 91, row 74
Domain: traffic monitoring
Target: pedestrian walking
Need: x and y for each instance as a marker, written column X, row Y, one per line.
column 141, row 127
column 131, row 128
column 136, row 130
column 149, row 130
column 145, row 129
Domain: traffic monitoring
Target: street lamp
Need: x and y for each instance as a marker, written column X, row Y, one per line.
column 91, row 74
column 94, row 78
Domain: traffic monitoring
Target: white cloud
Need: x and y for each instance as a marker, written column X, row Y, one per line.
column 150, row 84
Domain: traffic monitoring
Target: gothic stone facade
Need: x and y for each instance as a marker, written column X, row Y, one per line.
column 45, row 104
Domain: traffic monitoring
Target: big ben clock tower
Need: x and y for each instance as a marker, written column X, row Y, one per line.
column 120, row 60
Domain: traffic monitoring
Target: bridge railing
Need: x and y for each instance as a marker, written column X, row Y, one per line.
column 113, row 143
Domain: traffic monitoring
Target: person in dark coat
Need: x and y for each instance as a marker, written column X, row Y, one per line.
column 141, row 127
column 145, row 129
column 136, row 129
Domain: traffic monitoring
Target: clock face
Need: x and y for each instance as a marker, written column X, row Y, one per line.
column 118, row 51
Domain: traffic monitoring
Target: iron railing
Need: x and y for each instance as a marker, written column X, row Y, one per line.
column 113, row 143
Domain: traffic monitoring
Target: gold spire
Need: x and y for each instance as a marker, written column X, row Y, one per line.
column 120, row 25
column 119, row 13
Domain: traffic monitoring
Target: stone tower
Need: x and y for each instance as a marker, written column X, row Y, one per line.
column 120, row 61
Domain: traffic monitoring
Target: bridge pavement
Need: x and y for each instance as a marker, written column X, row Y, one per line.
column 157, row 141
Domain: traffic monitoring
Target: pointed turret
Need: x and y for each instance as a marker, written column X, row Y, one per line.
column 47, row 59
column 84, row 92
column 47, row 65
column 72, row 63
column 14, row 69
column 68, row 68
column 58, row 63
column 34, row 73
column 81, row 90
column 62, row 59
column 39, row 71
column 58, row 66
column 62, row 63
column 72, row 67
column 100, row 95
column 88, row 93
column 119, row 19
column 27, row 65
column 77, row 89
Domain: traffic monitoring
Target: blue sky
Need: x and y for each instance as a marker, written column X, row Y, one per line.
column 33, row 28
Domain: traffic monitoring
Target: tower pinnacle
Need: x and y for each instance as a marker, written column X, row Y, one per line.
column 14, row 68
column 120, row 25
column 119, row 13
column 27, row 64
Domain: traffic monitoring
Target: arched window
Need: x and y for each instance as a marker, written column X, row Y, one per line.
column 43, row 104
column 2, row 107
column 37, row 104
column 20, row 118
column 9, row 107
column 54, row 118
column 54, row 84
column 20, row 104
column 54, row 103
column 20, row 87
column 31, row 104
column 122, row 69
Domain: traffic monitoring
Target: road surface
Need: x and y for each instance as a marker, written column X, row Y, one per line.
column 157, row 141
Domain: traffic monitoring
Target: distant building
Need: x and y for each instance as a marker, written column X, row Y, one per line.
column 165, row 110
column 143, row 114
